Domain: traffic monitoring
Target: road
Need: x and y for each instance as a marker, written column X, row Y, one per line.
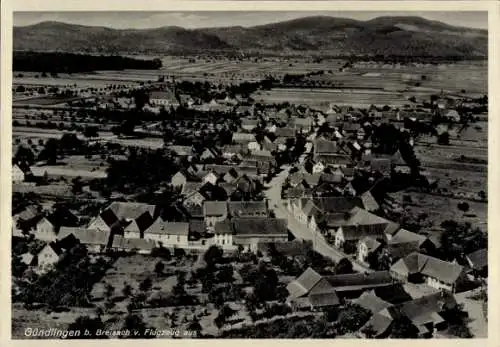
column 300, row 231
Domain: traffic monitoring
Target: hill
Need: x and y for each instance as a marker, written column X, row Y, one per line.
column 387, row 36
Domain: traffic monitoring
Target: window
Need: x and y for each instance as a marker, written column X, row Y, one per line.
column 223, row 241
column 178, row 238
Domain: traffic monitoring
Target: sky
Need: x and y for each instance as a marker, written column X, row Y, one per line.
column 191, row 19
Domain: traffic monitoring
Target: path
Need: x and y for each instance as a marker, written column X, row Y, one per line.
column 300, row 231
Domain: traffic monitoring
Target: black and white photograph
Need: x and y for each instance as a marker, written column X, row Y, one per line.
column 249, row 174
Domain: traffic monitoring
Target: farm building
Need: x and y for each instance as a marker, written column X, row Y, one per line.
column 17, row 174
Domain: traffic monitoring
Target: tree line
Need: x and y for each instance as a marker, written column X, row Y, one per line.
column 56, row 62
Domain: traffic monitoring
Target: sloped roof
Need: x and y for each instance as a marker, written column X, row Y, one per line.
column 214, row 208
column 405, row 236
column 322, row 146
column 304, row 283
column 324, row 299
column 356, row 232
column 245, row 227
column 159, row 227
column 371, row 243
column 141, row 223
column 243, row 137
column 177, row 228
column 479, row 258
column 85, row 236
column 30, row 212
column 242, row 208
column 359, row 281
column 369, row 202
column 371, row 302
column 429, row 266
column 131, row 210
column 131, row 244
column 190, row 187
column 285, row 132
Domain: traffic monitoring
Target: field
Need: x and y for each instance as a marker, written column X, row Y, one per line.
column 23, row 319
column 133, row 270
column 44, row 101
column 440, row 208
column 324, row 97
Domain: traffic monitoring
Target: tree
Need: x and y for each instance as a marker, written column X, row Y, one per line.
column 90, row 131
column 159, row 267
column 352, row 317
column 444, row 139
column 141, row 98
column 146, row 285
column 127, row 290
column 403, row 328
column 135, row 323
column 109, row 290
column 195, row 326
column 24, row 155
column 463, row 206
column 213, row 255
column 344, row 266
column 50, row 152
column 84, row 324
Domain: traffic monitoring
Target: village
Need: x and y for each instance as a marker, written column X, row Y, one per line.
column 232, row 218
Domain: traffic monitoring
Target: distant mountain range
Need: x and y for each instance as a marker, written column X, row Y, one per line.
column 388, row 36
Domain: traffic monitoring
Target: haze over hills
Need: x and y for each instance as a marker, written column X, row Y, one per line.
column 388, row 36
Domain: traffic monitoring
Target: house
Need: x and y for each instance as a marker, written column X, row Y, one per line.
column 434, row 272
column 182, row 151
column 140, row 246
column 45, row 230
column 311, row 291
column 333, row 160
column 478, row 262
column 213, row 212
column 323, row 146
column 238, row 209
column 210, row 177
column 163, row 98
column 231, row 175
column 179, row 179
column 26, row 219
column 194, row 198
column 425, row 314
column 122, row 212
column 285, row 132
column 28, row 259
column 405, row 242
column 168, row 234
column 48, row 257
column 453, row 115
column 371, row 302
column 17, row 174
column 243, row 138
column 354, row 233
column 368, row 202
column 232, row 151
column 249, row 232
column 353, row 285
column 302, row 125
column 249, row 124
column 96, row 241
column 367, row 246
column 135, row 227
column 209, row 153
column 190, row 187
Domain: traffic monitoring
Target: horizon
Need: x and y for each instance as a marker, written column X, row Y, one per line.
column 219, row 19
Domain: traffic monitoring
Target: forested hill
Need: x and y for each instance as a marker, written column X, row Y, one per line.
column 383, row 36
